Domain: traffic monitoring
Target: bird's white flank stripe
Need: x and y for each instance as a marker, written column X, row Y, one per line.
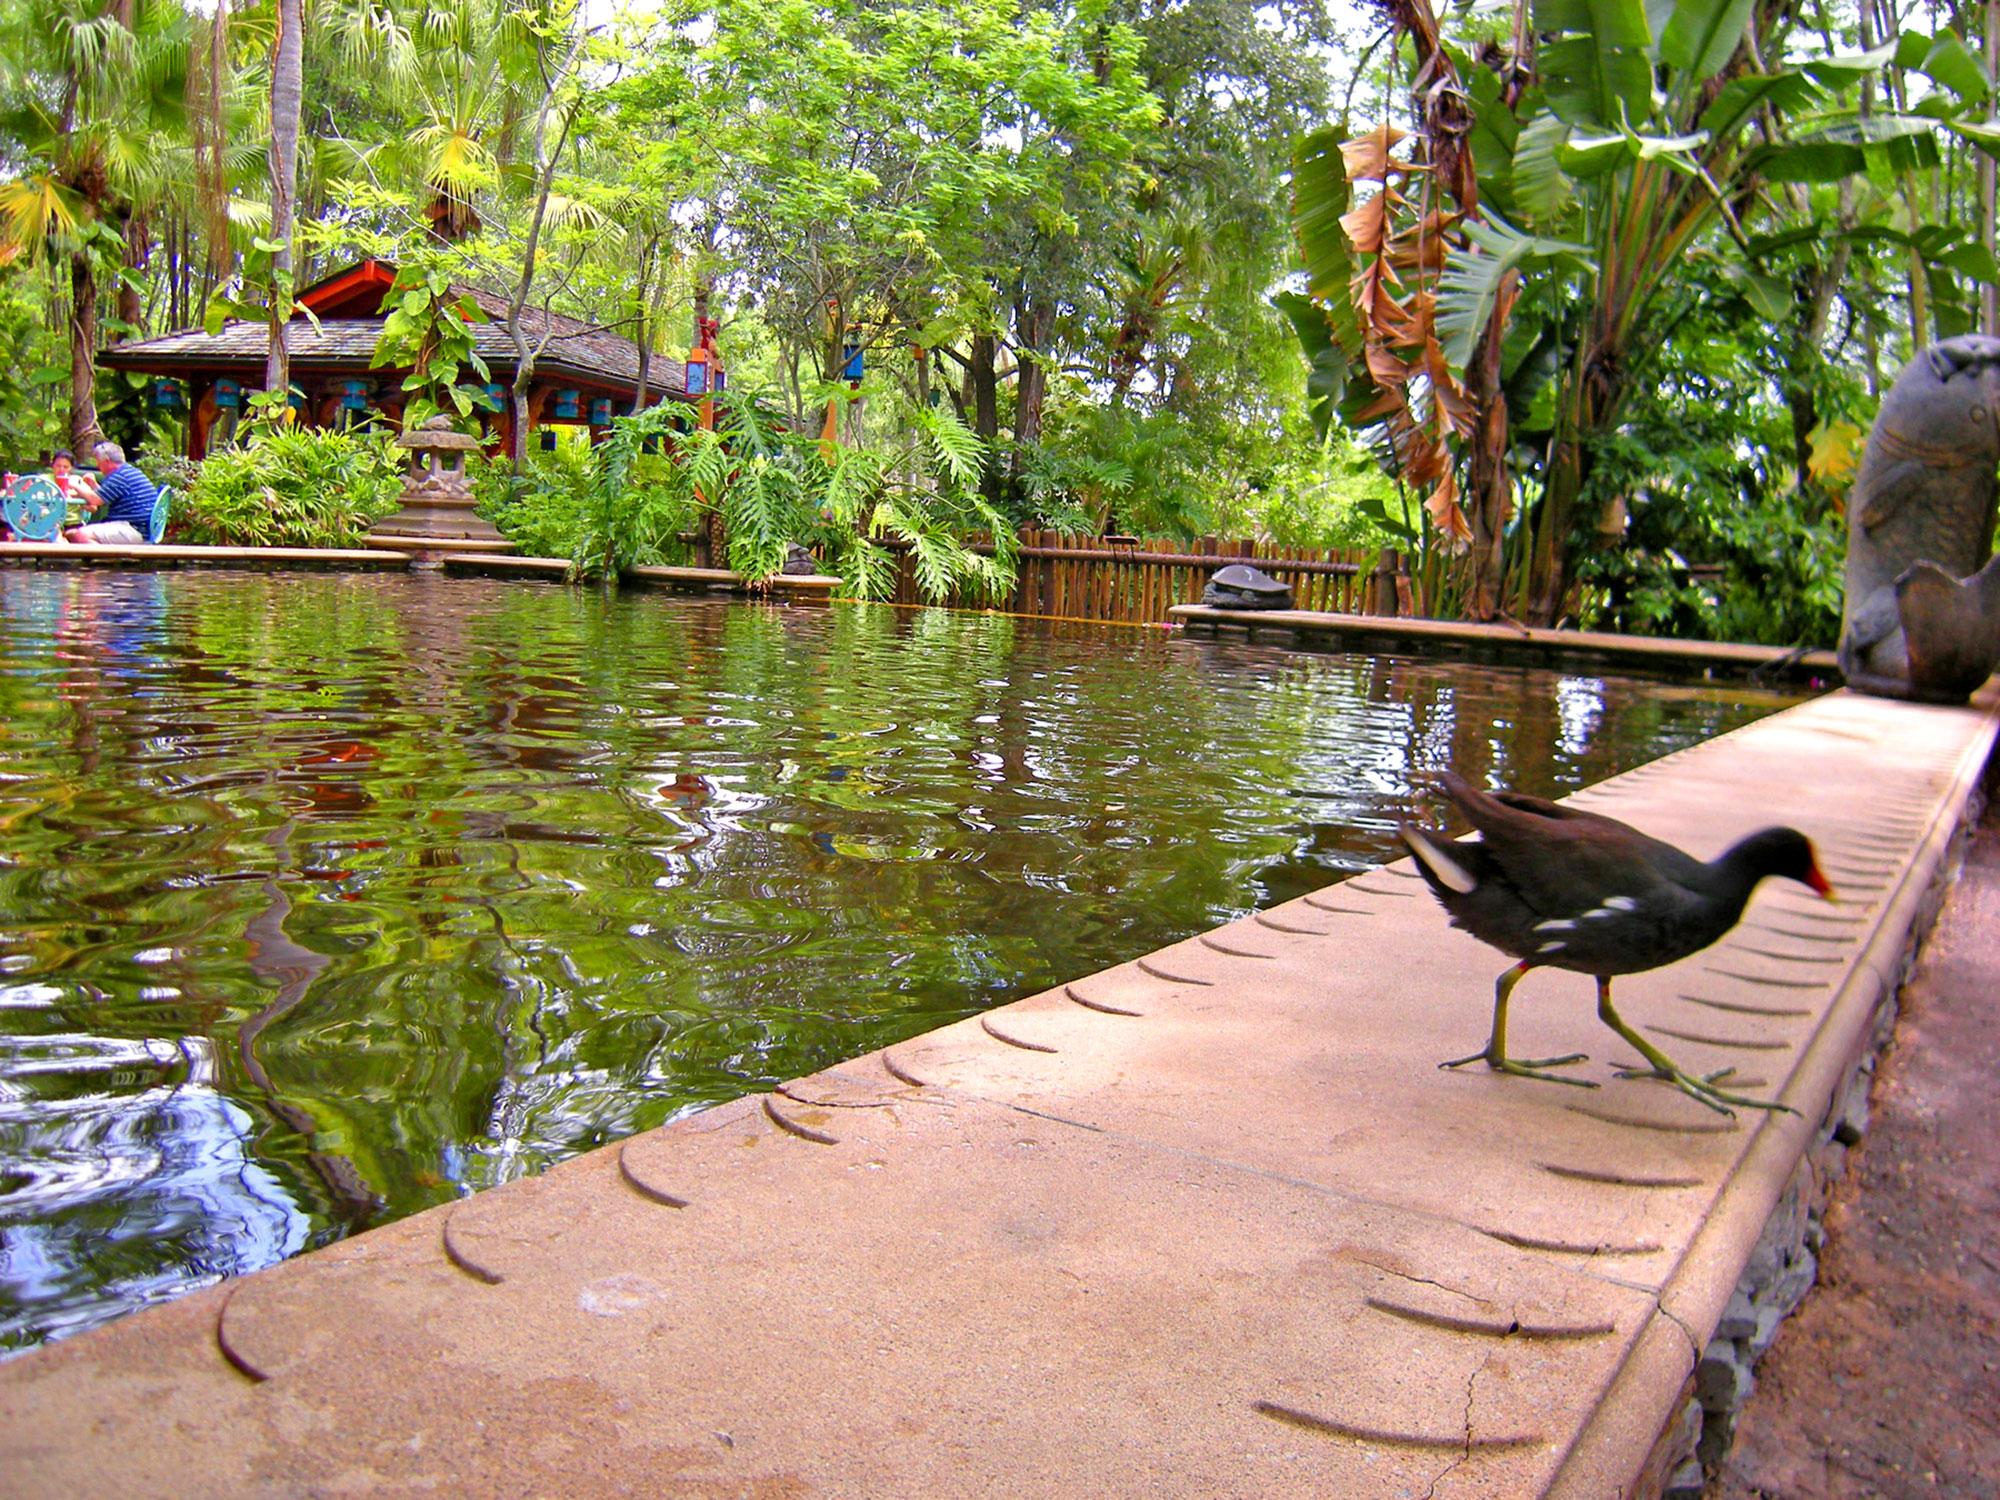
column 1440, row 864
column 1621, row 903
column 1562, row 924
column 1555, row 947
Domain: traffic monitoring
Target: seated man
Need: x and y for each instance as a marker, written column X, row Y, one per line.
column 128, row 497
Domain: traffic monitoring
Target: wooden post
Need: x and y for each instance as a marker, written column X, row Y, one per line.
column 1388, row 563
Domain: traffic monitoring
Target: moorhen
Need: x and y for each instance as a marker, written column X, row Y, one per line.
column 1568, row 889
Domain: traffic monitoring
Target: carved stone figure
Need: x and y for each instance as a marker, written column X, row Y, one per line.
column 1923, row 599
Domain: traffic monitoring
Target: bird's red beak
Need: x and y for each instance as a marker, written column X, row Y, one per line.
column 1816, row 878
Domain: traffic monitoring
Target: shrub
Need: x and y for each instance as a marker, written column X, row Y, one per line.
column 296, row 487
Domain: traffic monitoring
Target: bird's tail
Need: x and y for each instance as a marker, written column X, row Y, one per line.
column 1439, row 868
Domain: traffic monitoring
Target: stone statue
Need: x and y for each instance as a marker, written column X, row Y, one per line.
column 1923, row 600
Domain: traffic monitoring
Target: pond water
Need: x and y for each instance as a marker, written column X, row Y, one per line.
column 324, row 899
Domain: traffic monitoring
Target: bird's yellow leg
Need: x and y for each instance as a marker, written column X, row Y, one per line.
column 1495, row 1056
column 1664, row 1067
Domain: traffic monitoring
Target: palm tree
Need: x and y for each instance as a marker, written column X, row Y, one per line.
column 287, row 101
column 100, row 92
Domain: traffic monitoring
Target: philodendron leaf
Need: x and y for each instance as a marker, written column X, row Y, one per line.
column 1955, row 65
column 1973, row 260
column 1771, row 296
column 1593, row 156
column 1701, row 36
column 1809, row 161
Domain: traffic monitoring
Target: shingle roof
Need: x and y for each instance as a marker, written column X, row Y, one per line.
column 574, row 348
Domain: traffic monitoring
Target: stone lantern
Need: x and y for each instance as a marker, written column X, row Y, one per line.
column 437, row 515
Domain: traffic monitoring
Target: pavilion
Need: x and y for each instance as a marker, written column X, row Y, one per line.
column 584, row 374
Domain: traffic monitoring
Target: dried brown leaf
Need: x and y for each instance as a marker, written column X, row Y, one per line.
column 1367, row 158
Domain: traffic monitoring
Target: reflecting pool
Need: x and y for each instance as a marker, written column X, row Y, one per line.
column 324, row 899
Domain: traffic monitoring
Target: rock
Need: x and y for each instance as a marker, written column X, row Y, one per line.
column 1239, row 586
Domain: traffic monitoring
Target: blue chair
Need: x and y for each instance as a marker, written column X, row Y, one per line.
column 156, row 526
column 35, row 507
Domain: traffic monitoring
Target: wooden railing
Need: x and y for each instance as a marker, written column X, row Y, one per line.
column 1134, row 580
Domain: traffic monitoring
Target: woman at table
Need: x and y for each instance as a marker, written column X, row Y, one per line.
column 80, row 489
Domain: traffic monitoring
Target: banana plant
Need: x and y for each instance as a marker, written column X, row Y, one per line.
column 1635, row 138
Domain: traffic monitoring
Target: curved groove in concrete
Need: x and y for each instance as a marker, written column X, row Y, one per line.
column 1161, row 971
column 645, row 1189
column 900, row 1073
column 1492, row 1328
column 1263, row 919
column 1209, row 941
column 793, row 1127
column 1617, row 1179
column 226, row 1346
column 1668, row 1127
column 1376, row 890
column 469, row 1264
column 790, row 1089
column 1765, row 979
column 1345, row 911
column 1098, row 1005
column 1810, row 914
column 1850, row 871
column 1457, row 1442
column 1790, row 958
column 1732, row 1043
column 1739, row 1009
column 1803, row 937
column 986, row 1025
column 1568, row 1247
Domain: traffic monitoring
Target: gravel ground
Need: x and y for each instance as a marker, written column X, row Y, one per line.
column 1886, row 1383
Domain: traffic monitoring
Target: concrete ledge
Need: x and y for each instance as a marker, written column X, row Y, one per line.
column 69, row 555
column 487, row 565
column 1311, row 630
column 1208, row 1223
column 412, row 544
column 807, row 587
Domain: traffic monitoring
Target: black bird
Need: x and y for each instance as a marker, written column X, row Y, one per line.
column 1568, row 889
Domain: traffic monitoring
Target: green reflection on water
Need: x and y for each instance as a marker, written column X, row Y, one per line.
column 324, row 899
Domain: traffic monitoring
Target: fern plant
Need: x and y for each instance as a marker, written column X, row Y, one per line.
column 293, row 487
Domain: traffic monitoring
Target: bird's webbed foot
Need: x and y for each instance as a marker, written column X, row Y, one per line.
column 1526, row 1067
column 1703, row 1088
column 1494, row 1055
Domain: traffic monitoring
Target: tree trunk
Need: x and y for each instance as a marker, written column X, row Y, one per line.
column 1804, row 356
column 287, row 100
column 84, row 433
column 1490, row 490
column 138, row 253
column 984, row 393
column 525, row 354
column 640, row 330
column 1034, row 326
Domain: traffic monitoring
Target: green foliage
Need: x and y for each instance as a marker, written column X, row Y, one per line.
column 630, row 499
column 34, row 368
column 429, row 329
column 1722, row 543
column 293, row 487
